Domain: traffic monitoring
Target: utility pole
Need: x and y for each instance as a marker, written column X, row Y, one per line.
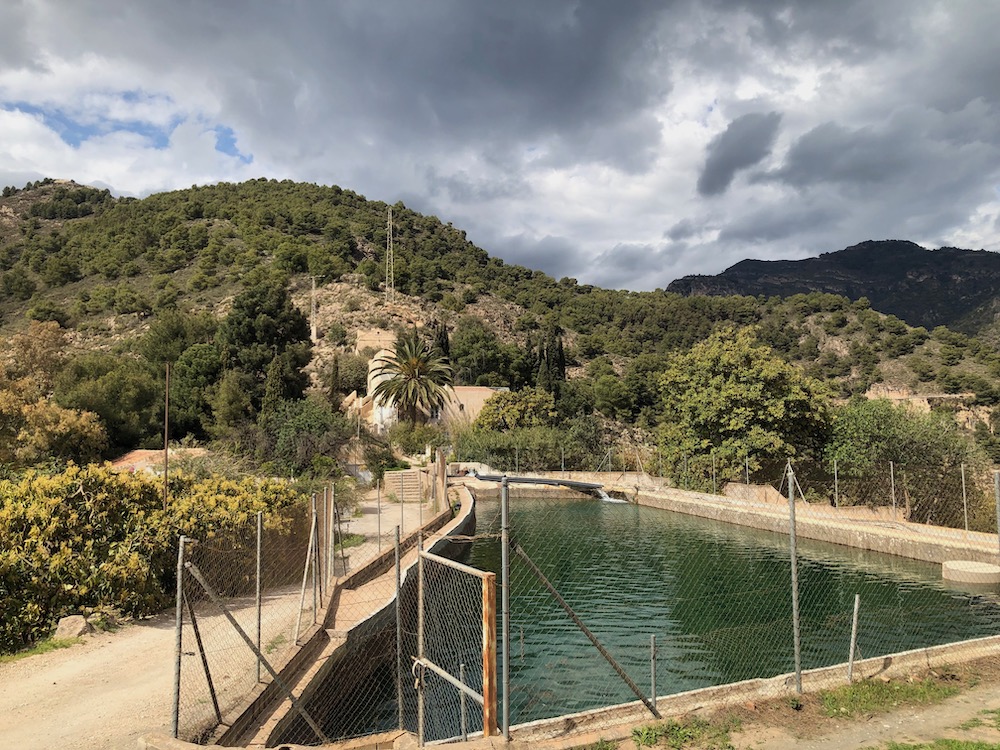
column 390, row 264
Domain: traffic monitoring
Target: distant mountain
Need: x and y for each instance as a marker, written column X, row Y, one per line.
column 951, row 287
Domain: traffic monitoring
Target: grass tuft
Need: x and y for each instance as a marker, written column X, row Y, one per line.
column 875, row 696
column 693, row 732
column 42, row 647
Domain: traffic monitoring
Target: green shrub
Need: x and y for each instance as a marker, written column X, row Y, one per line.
column 413, row 439
column 92, row 537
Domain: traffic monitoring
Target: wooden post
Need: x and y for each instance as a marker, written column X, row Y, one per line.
column 489, row 655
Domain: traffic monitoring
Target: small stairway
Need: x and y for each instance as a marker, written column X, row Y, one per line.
column 405, row 485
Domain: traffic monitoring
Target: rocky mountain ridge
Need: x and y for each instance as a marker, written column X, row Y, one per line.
column 947, row 286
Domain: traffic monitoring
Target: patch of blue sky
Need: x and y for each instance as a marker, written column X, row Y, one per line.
column 74, row 132
column 225, row 143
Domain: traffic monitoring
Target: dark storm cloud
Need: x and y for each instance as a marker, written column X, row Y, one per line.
column 681, row 230
column 746, row 141
column 833, row 153
column 461, row 187
column 778, row 223
column 850, row 29
column 437, row 73
column 965, row 70
column 15, row 50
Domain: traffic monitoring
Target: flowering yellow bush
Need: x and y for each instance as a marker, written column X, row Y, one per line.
column 90, row 536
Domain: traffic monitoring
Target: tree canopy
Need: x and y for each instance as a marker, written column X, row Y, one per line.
column 511, row 410
column 731, row 398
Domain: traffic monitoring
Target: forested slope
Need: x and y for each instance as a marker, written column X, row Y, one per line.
column 214, row 279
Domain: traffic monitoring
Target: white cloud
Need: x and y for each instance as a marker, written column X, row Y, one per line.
column 563, row 134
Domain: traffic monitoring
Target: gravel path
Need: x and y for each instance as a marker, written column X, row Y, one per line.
column 101, row 694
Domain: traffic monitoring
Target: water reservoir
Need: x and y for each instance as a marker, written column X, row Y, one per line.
column 717, row 597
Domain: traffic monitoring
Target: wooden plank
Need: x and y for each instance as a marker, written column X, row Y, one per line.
column 489, row 655
column 461, row 567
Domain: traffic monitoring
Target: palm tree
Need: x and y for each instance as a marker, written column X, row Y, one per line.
column 419, row 378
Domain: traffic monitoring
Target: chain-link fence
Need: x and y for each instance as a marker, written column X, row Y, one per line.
column 249, row 600
column 614, row 610
column 956, row 494
column 614, row 602
column 455, row 667
column 295, row 619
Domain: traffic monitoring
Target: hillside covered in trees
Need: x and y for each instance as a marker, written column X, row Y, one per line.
column 215, row 280
column 199, row 305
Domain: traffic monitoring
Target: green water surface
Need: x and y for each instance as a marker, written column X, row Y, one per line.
column 717, row 597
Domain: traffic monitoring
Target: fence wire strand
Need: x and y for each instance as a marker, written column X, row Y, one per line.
column 715, row 593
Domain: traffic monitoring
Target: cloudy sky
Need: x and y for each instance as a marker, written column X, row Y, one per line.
column 621, row 142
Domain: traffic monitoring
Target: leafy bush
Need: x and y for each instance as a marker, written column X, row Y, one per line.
column 578, row 442
column 91, row 537
column 414, row 438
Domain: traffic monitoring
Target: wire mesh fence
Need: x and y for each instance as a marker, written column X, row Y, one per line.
column 594, row 583
column 456, row 640
column 609, row 603
column 266, row 587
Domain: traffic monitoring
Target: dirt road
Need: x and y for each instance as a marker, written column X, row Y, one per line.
column 111, row 688
column 101, row 694
column 960, row 717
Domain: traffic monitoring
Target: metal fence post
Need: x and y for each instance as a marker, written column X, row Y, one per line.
column 305, row 580
column 317, row 584
column 420, row 637
column 795, row 579
column 328, row 522
column 892, row 486
column 178, row 637
column 505, row 598
column 715, row 484
column 854, row 638
column 652, row 668
column 378, row 491
column 399, row 632
column 996, row 494
column 259, row 592
column 461, row 704
column 836, row 486
column 334, row 520
column 340, row 529
column 965, row 500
